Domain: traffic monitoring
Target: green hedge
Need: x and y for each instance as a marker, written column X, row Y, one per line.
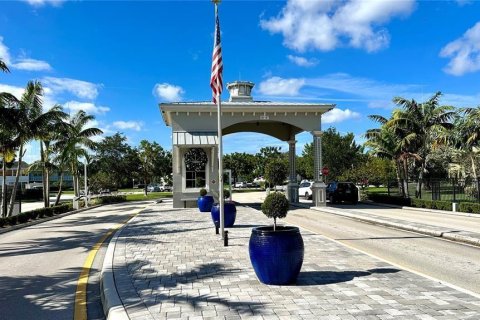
column 383, row 198
column 429, row 204
column 469, row 207
column 35, row 214
column 110, row 199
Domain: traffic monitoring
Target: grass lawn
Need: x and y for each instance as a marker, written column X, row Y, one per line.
column 150, row 196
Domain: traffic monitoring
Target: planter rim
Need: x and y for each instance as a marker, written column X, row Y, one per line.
column 268, row 230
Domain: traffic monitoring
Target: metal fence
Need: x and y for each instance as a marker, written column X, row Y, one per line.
column 454, row 190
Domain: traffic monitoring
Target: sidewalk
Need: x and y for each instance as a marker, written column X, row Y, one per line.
column 169, row 264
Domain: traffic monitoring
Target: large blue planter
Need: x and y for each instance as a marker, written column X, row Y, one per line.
column 276, row 256
column 230, row 213
column 205, row 203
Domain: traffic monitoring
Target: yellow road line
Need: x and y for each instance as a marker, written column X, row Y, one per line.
column 80, row 306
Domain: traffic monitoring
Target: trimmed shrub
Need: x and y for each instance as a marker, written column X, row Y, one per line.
column 111, row 199
column 2, row 222
column 23, row 217
column 469, row 207
column 383, row 198
column 61, row 209
column 418, row 203
column 34, row 214
column 203, row 192
column 48, row 212
column 275, row 206
column 12, row 220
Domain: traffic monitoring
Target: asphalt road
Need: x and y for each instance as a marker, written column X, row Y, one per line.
column 40, row 265
column 451, row 262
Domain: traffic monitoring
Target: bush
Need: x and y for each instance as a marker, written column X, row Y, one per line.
column 111, row 199
column 2, row 222
column 23, row 217
column 429, row 204
column 61, row 209
column 226, row 194
column 275, row 206
column 469, row 207
column 12, row 220
column 34, row 214
column 383, row 198
column 203, row 192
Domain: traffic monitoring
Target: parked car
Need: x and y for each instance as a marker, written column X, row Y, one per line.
column 240, row 185
column 305, row 189
column 153, row 188
column 167, row 187
column 342, row 191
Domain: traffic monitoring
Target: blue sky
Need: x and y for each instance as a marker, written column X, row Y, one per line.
column 118, row 60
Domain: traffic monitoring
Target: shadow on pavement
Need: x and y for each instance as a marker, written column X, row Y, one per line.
column 308, row 278
column 38, row 297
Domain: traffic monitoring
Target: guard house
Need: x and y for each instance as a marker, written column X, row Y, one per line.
column 195, row 140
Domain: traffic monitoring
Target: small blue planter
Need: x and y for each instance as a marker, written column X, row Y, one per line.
column 230, row 213
column 276, row 256
column 205, row 203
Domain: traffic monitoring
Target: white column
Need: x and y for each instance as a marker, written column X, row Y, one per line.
column 292, row 188
column 318, row 187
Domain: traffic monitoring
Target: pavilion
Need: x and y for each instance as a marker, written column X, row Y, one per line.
column 195, row 141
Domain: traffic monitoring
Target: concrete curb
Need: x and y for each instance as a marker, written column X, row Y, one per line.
column 42, row 220
column 112, row 304
column 423, row 230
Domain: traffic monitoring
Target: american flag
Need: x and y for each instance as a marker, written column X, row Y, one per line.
column 216, row 81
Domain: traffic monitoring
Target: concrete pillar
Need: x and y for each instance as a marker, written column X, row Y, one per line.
column 292, row 188
column 318, row 187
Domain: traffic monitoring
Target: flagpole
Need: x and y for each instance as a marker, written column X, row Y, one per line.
column 221, row 199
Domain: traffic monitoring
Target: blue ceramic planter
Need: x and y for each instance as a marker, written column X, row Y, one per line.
column 230, row 214
column 276, row 256
column 205, row 203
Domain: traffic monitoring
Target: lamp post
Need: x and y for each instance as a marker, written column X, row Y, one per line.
column 86, row 186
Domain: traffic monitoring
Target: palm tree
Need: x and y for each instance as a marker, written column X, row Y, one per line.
column 385, row 142
column 34, row 124
column 420, row 124
column 467, row 135
column 9, row 142
column 3, row 66
column 75, row 143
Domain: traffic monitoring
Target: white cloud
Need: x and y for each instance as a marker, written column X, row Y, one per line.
column 32, row 65
column 22, row 63
column 279, row 86
column 327, row 24
column 16, row 91
column 4, row 54
column 81, row 89
column 339, row 115
column 40, row 3
column 168, row 92
column 88, row 107
column 132, row 125
column 464, row 52
column 302, row 62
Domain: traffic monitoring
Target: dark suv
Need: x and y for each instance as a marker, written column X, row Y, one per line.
column 342, row 191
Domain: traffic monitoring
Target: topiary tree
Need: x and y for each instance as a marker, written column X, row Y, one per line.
column 203, row 192
column 276, row 172
column 275, row 206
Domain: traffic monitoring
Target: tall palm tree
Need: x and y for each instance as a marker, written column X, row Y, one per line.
column 76, row 142
column 34, row 124
column 385, row 142
column 9, row 142
column 467, row 136
column 420, row 124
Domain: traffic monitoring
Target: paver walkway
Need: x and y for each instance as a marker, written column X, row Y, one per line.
column 169, row 264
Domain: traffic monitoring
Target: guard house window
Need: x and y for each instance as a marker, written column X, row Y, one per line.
column 195, row 165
